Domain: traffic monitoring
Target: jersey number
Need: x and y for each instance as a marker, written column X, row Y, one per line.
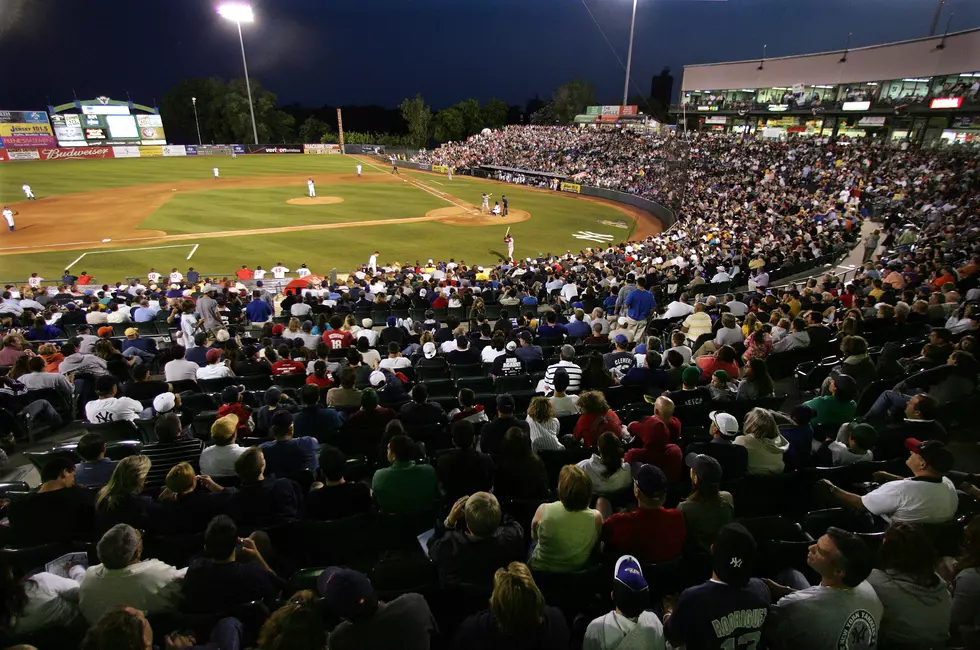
column 750, row 641
column 336, row 344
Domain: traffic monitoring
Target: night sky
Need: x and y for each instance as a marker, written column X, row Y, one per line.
column 338, row 52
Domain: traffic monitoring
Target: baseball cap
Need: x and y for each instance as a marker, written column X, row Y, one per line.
column 213, row 355
column 278, row 329
column 511, row 346
column 505, row 404
column 649, row 478
column 726, row 423
column 933, row 452
column 707, row 469
column 207, row 288
column 527, row 337
column 391, row 321
column 367, row 323
column 83, row 327
column 721, row 374
column 621, row 339
column 734, row 554
column 429, row 350
column 131, row 331
column 622, row 320
column 164, row 402
column 691, row 375
column 345, row 591
column 231, row 393
column 225, row 427
column 281, row 418
column 273, row 395
column 629, row 573
column 377, row 378
column 845, row 384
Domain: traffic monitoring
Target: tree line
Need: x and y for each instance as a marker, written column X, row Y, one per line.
column 223, row 116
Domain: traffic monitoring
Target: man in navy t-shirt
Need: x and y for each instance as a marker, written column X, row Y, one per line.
column 287, row 456
column 729, row 610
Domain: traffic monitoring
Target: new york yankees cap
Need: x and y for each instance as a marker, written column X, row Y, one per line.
column 733, row 555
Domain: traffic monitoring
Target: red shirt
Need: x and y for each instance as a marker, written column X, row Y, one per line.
column 440, row 302
column 338, row 339
column 238, row 409
column 84, row 279
column 244, row 274
column 709, row 364
column 588, row 427
column 322, row 382
column 645, row 429
column 668, row 458
column 288, row 367
column 649, row 534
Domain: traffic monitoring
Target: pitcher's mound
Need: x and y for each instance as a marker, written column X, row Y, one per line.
column 315, row 200
column 460, row 217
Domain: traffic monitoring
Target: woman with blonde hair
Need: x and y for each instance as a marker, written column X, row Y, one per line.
column 544, row 425
column 750, row 324
column 293, row 329
column 518, row 617
column 121, row 500
column 763, row 442
column 193, row 508
column 566, row 531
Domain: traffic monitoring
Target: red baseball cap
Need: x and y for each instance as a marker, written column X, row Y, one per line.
column 933, row 452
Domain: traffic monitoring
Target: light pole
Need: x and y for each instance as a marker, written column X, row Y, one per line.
column 196, row 122
column 629, row 57
column 242, row 13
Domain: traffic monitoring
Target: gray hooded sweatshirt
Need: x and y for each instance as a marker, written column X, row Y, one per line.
column 616, row 632
column 914, row 615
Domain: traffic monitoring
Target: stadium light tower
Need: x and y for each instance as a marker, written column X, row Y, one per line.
column 196, row 122
column 629, row 57
column 242, row 13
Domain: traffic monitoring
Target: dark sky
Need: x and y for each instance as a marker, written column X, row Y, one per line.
column 378, row 51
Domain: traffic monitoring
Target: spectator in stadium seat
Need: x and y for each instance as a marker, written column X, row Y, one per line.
column 366, row 425
column 59, row 511
column 468, row 409
column 395, row 361
column 651, row 533
column 658, row 450
column 543, row 425
column 707, row 509
column 190, row 501
column 796, row 339
column 95, row 469
column 691, row 393
column 403, row 622
column 258, row 310
column 697, row 323
column 528, row 351
column 123, row 580
column 517, row 617
column 916, row 601
column 333, row 497
column 142, row 387
column 507, row 364
column 662, row 418
column 577, row 327
column 473, row 542
column 596, row 417
column 406, row 487
column 108, row 407
column 562, row 403
column 392, row 333
column 566, row 531
column 552, row 329
column 463, row 470
column 274, row 400
column 251, row 365
column 919, row 422
column 853, row 444
column 928, row 497
column 261, row 501
column 215, row 368
column 799, row 433
column 493, row 350
column 171, row 448
column 464, row 354
column 288, row 455
column 420, row 412
column 842, row 608
column 345, row 394
column 723, row 359
column 731, row 593
column 38, row 379
column 607, row 470
column 519, row 473
column 839, row 406
column 314, row 420
column 763, row 442
column 630, row 624
column 232, row 572
column 179, row 368
column 492, row 433
column 121, row 500
column 756, row 382
column 675, row 369
column 219, row 458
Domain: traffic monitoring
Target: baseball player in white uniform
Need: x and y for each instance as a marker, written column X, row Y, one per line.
column 311, row 186
column 302, row 271
column 358, row 169
column 8, row 214
column 176, row 277
column 279, row 271
column 510, row 245
column 496, row 209
column 215, row 170
column 485, row 206
column 373, row 262
column 449, row 173
column 34, row 281
column 28, row 192
column 259, row 273
column 153, row 276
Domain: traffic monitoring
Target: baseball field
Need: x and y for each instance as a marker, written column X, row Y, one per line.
column 118, row 217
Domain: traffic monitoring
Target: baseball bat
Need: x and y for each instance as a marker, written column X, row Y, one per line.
column 508, row 231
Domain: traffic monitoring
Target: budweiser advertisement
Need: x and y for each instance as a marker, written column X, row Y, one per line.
column 75, row 153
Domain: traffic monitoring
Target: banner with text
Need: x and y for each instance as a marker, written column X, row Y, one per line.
column 151, row 152
column 318, row 148
column 125, row 152
column 174, row 150
column 274, row 148
column 75, row 153
column 571, row 187
column 23, row 154
column 25, row 129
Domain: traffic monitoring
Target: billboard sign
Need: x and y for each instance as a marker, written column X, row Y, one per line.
column 105, row 109
column 716, row 119
column 25, row 129
column 611, row 110
column 75, row 153
column 125, row 152
column 273, row 148
column 174, row 150
column 940, row 102
column 238, row 148
column 23, row 154
column 856, row 106
column 872, row 120
column 321, row 148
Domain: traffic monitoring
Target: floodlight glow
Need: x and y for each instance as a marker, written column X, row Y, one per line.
column 237, row 12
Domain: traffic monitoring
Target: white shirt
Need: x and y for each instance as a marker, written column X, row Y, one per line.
column 8, row 214
column 52, row 601
column 545, row 435
column 395, row 364
column 215, row 170
column 300, row 309
column 26, row 188
column 213, row 371
column 113, row 409
column 613, row 630
column 677, row 309
column 738, row 309
column 569, row 291
column 220, row 461
column 179, row 369
column 489, row 354
column 279, row 272
column 358, row 169
column 913, row 501
column 150, row 586
column 259, row 274
column 153, row 276
column 35, row 281
column 601, row 484
column 373, row 262
column 302, row 272
column 176, row 276
column 310, row 183
column 567, row 405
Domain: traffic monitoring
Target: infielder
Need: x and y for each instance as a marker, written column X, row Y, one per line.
column 449, row 173
column 394, row 166
column 28, row 192
column 358, row 170
column 8, row 214
column 485, row 206
column 373, row 262
column 311, row 186
column 215, row 170
column 509, row 239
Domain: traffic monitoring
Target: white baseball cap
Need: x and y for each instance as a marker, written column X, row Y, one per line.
column 164, row 402
column 377, row 378
column 726, row 423
column 429, row 350
column 511, row 346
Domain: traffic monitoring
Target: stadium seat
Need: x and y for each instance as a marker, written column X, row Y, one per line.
column 115, row 431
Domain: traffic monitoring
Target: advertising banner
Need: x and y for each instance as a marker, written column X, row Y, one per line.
column 125, row 152
column 3, row 155
column 238, row 148
column 871, row 120
column 18, row 135
column 273, row 148
column 318, row 148
column 75, row 153
column 716, row 119
column 426, row 167
column 151, row 152
column 23, row 154
column 442, row 169
column 571, row 187
column 191, row 149
column 855, row 106
column 939, row 102
column 174, row 150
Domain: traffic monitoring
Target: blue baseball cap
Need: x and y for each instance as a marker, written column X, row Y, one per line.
column 630, row 574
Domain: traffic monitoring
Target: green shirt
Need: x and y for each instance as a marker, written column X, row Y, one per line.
column 405, row 487
column 831, row 410
column 565, row 539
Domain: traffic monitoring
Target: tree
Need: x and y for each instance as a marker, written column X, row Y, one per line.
column 177, row 109
column 312, row 130
column 494, row 114
column 419, row 119
column 571, row 99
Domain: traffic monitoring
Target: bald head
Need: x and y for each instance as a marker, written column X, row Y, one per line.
column 664, row 408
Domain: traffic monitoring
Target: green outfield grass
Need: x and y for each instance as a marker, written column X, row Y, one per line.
column 555, row 217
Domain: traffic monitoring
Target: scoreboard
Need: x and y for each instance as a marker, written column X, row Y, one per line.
column 111, row 124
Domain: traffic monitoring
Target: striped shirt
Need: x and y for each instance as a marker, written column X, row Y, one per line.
column 574, row 375
column 164, row 455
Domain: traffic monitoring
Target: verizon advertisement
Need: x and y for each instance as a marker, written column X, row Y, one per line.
column 282, row 148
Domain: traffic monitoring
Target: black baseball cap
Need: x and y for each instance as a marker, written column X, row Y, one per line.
column 707, row 469
column 649, row 478
column 505, row 404
column 734, row 555
column 935, row 453
column 345, row 591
